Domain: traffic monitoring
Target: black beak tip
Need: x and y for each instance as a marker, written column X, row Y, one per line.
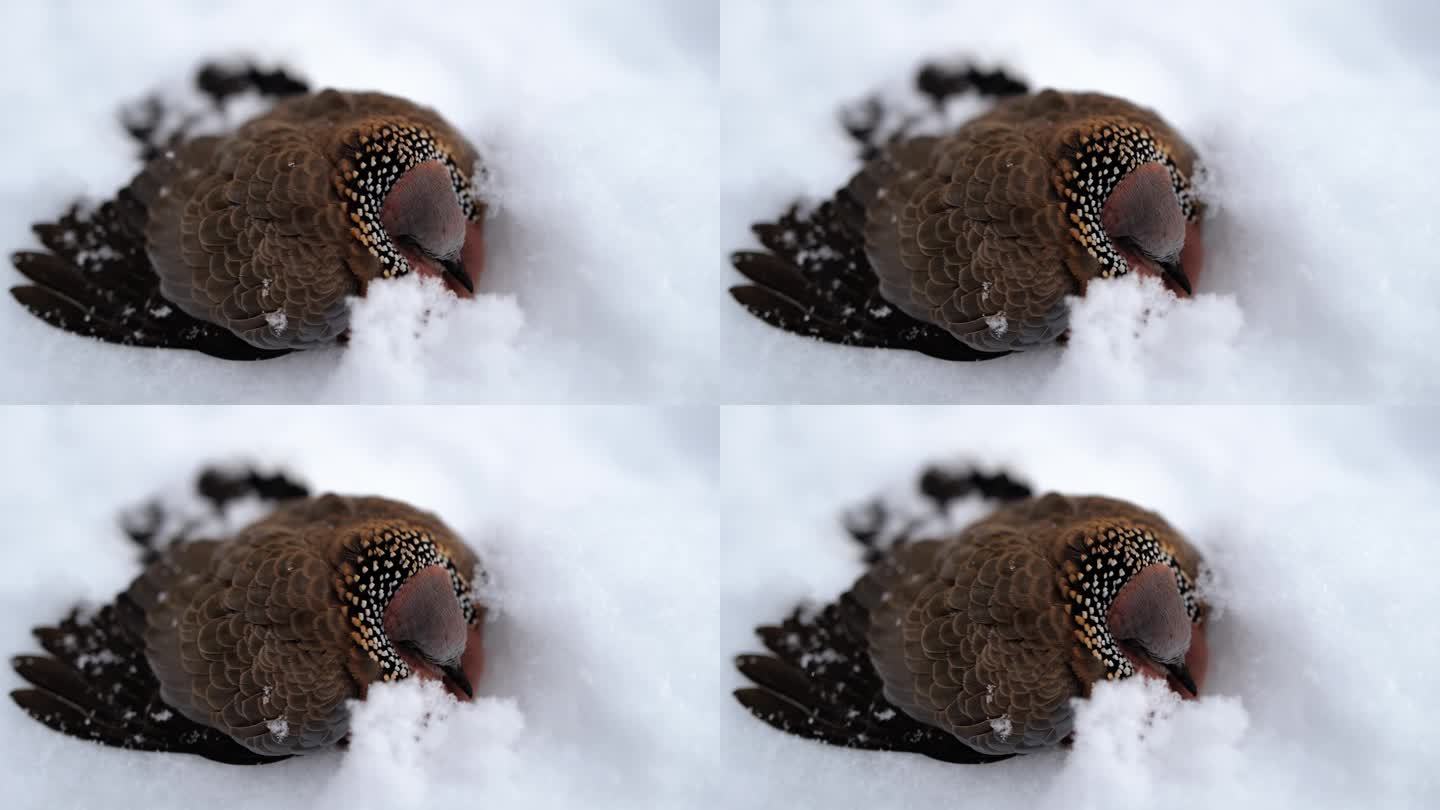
column 1181, row 673
column 457, row 677
column 456, row 270
column 1176, row 273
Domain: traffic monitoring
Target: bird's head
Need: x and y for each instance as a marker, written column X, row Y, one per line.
column 413, row 207
column 411, row 610
column 1130, row 206
column 1135, row 610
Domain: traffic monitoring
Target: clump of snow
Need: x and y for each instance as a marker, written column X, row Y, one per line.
column 405, row 327
column 1132, row 339
column 279, row 728
column 1135, row 740
column 599, row 129
column 1314, row 122
column 413, row 745
column 277, row 321
column 1002, row 726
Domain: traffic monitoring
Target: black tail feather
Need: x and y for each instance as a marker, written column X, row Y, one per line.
column 96, row 685
column 815, row 280
column 217, row 487
column 96, row 279
column 819, row 684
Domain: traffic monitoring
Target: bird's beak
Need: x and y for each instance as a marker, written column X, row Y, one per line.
column 1176, row 273
column 455, row 676
column 1181, row 673
column 455, row 269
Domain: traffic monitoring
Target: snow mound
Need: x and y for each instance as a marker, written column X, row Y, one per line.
column 406, row 329
column 413, row 745
column 1135, row 740
column 1132, row 339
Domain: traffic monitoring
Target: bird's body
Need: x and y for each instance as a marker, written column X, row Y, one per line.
column 970, row 648
column 965, row 245
column 254, row 240
column 249, row 647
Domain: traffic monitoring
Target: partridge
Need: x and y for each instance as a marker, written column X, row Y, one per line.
column 965, row 245
column 247, row 245
column 970, row 647
column 247, row 649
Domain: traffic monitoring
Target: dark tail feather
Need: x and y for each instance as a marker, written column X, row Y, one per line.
column 149, row 121
column 819, row 684
column 95, row 684
column 875, row 124
column 879, row 527
column 816, row 281
column 217, row 487
column 96, row 279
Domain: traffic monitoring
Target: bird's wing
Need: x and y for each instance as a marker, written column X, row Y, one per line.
column 818, row 683
column 967, row 635
column 247, row 636
column 814, row 279
column 962, row 230
column 95, row 683
column 248, row 232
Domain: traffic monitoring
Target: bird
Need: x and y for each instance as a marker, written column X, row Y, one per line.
column 964, row 245
column 247, row 649
column 247, row 245
column 970, row 647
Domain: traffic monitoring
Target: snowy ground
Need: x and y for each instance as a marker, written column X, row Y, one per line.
column 598, row 526
column 1318, row 122
column 1320, row 525
column 598, row 122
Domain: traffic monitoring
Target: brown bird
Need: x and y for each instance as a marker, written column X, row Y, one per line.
column 965, row 245
column 969, row 648
column 247, row 648
column 247, row 245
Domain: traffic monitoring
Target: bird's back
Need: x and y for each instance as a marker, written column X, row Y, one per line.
column 972, row 633
column 972, row 230
column 261, row 230
column 250, row 635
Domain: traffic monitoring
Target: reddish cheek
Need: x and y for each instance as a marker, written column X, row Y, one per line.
column 472, row 661
column 1198, row 658
column 473, row 254
column 1192, row 256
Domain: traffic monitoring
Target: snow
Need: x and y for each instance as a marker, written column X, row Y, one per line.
column 597, row 526
column 1316, row 122
column 1319, row 525
column 601, row 135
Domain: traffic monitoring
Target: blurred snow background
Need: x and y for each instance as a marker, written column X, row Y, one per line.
column 599, row 126
column 1319, row 122
column 598, row 527
column 1320, row 525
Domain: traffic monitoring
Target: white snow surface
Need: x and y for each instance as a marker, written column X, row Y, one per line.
column 1317, row 121
column 1319, row 525
column 598, row 530
column 598, row 125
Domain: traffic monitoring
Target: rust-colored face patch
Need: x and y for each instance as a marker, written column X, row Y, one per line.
column 1100, row 161
column 382, row 155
